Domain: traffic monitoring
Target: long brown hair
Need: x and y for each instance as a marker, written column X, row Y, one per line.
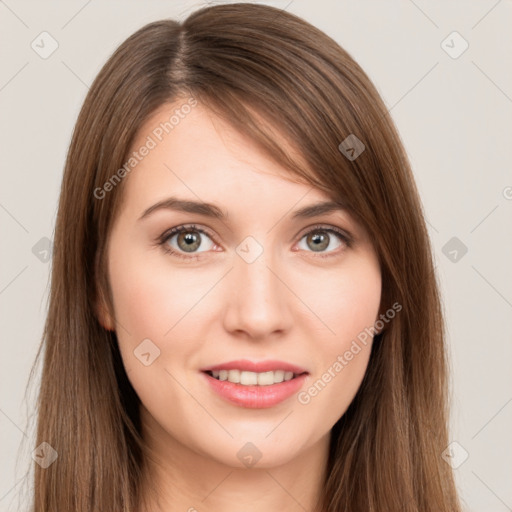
column 261, row 69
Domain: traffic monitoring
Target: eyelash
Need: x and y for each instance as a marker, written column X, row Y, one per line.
column 164, row 238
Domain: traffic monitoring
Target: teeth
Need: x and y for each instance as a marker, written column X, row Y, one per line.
column 279, row 376
column 248, row 378
column 252, row 378
column 233, row 376
column 265, row 379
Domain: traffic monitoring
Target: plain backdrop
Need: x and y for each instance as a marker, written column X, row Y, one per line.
column 453, row 109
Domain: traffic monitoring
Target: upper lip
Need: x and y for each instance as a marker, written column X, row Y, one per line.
column 256, row 366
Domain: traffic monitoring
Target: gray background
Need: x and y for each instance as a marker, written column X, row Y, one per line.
column 454, row 117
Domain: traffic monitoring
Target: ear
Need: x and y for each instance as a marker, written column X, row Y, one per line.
column 105, row 317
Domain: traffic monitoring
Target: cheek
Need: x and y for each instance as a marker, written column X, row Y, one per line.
column 154, row 308
column 151, row 298
column 168, row 306
column 343, row 302
column 347, row 304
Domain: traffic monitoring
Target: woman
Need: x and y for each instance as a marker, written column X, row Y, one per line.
column 243, row 309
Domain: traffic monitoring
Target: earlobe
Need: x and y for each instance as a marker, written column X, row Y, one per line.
column 103, row 315
column 378, row 330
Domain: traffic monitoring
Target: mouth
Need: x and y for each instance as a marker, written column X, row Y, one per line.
column 255, row 385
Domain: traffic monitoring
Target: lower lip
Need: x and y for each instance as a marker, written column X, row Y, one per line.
column 256, row 397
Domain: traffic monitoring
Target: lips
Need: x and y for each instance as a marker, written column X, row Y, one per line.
column 257, row 367
column 255, row 384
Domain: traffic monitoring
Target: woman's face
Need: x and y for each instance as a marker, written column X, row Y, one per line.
column 251, row 291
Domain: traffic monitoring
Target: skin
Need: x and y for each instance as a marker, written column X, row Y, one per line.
column 289, row 304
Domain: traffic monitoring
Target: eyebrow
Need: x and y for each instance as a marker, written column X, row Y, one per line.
column 210, row 210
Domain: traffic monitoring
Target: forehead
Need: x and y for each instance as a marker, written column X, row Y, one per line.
column 195, row 154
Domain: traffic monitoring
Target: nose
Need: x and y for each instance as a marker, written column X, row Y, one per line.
column 258, row 304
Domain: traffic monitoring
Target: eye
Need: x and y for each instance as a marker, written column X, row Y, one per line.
column 183, row 240
column 321, row 238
